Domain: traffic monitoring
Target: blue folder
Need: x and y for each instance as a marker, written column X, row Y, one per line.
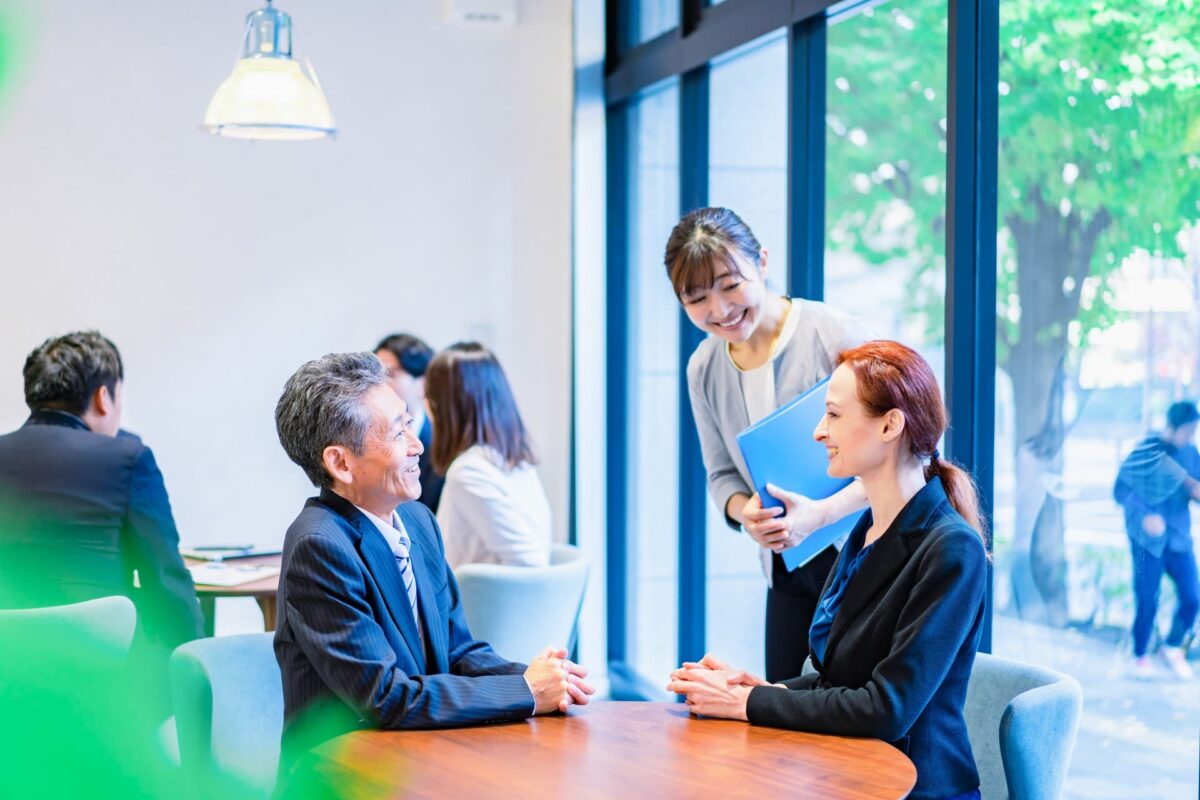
column 779, row 449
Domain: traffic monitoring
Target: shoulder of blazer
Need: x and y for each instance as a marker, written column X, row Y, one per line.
column 74, row 451
column 332, row 511
column 948, row 540
column 947, row 531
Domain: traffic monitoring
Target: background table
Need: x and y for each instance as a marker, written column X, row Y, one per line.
column 263, row 591
column 613, row 750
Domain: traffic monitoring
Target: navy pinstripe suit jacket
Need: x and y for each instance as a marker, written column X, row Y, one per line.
column 347, row 645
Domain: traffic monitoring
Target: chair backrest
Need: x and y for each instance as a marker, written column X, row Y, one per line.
column 521, row 610
column 66, row 726
column 1022, row 720
column 228, row 697
column 94, row 634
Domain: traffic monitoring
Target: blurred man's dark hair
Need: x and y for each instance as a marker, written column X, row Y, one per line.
column 63, row 372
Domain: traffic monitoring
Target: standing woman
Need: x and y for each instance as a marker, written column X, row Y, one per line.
column 900, row 617
column 493, row 508
column 762, row 350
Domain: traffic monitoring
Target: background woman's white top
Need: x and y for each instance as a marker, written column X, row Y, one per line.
column 490, row 514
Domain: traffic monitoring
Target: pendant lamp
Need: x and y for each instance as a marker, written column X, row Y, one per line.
column 269, row 96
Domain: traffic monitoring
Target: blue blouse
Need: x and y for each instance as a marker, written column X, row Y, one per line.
column 831, row 601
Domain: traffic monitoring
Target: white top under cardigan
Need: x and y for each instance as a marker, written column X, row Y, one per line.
column 719, row 404
column 490, row 514
column 758, row 384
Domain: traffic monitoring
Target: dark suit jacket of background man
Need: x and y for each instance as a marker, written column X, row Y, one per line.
column 900, row 651
column 431, row 482
column 348, row 646
column 79, row 512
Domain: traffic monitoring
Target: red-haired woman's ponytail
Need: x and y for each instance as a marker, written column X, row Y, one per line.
column 960, row 491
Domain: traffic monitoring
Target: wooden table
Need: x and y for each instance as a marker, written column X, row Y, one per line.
column 610, row 750
column 263, row 591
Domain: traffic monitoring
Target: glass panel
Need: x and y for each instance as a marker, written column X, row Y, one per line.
column 654, row 378
column 748, row 173
column 1098, row 266
column 654, row 17
column 885, row 196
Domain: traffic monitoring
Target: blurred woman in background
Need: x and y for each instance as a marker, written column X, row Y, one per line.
column 493, row 508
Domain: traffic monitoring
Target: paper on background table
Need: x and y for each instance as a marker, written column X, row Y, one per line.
column 780, row 449
column 228, row 553
column 216, row 573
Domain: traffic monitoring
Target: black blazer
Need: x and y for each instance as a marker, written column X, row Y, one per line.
column 348, row 646
column 901, row 647
column 431, row 482
column 79, row 512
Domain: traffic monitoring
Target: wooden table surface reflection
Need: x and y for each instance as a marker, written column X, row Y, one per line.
column 615, row 750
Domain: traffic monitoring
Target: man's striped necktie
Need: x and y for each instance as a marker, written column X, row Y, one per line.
column 403, row 561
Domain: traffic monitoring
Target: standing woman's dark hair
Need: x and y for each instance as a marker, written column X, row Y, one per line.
column 704, row 241
column 890, row 375
column 471, row 403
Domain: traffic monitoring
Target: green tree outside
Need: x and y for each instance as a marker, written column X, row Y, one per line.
column 1099, row 156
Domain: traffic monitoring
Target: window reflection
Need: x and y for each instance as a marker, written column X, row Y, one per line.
column 1097, row 326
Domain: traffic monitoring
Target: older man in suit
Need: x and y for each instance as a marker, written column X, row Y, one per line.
column 370, row 630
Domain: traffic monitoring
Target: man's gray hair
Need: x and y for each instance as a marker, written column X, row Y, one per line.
column 322, row 405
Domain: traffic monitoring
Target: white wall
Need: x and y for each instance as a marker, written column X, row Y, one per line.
column 218, row 266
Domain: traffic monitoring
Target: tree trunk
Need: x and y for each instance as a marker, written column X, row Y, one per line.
column 1054, row 254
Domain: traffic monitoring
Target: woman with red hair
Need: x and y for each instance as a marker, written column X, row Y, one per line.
column 899, row 621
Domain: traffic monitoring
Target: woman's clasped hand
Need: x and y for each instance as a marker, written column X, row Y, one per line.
column 713, row 688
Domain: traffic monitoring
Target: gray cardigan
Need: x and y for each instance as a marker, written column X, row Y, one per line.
column 719, row 407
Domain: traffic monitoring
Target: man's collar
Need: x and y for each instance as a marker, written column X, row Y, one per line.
column 390, row 528
column 52, row 416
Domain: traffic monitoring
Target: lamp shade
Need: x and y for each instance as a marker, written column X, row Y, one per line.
column 269, row 96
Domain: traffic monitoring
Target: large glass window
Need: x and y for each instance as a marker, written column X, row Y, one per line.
column 748, row 173
column 885, row 197
column 653, row 434
column 1097, row 314
column 1098, row 323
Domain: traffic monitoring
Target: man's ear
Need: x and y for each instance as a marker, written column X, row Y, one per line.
column 337, row 460
column 893, row 425
column 102, row 401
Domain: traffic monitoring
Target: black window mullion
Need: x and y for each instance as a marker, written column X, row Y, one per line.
column 617, row 317
column 693, row 193
column 615, row 14
column 973, row 61
column 690, row 12
column 806, row 158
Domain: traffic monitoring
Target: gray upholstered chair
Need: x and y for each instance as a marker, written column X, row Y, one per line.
column 1022, row 720
column 228, row 697
column 95, row 634
column 70, row 724
column 521, row 610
